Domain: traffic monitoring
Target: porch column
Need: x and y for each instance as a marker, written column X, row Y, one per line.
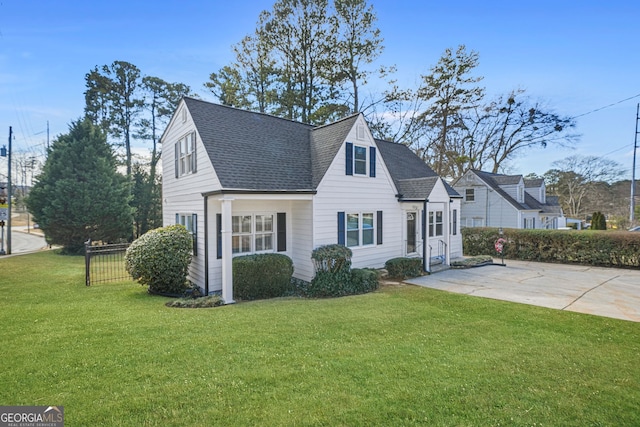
column 426, row 250
column 227, row 254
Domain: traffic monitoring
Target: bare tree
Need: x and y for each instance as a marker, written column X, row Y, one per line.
column 574, row 177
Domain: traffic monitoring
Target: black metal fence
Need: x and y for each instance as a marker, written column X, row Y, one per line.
column 105, row 263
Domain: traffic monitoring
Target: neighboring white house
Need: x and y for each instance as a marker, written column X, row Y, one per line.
column 245, row 182
column 509, row 201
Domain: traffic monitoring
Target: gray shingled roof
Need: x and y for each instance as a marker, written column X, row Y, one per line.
column 530, row 203
column 259, row 152
column 253, row 151
column 417, row 188
column 533, row 183
column 325, row 143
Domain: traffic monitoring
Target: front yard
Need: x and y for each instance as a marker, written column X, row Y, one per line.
column 113, row 355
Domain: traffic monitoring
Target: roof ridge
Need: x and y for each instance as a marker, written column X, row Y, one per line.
column 351, row 116
column 230, row 107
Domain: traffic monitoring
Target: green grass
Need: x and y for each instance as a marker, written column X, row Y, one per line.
column 113, row 355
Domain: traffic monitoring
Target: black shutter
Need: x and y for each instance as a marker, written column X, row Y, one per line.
column 341, row 228
column 194, row 232
column 177, row 218
column 455, row 222
column 219, row 236
column 372, row 162
column 282, row 231
column 349, row 157
column 379, row 230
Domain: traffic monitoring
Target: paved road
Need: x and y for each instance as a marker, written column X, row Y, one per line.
column 609, row 292
column 22, row 242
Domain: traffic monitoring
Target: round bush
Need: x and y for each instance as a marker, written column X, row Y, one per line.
column 160, row 259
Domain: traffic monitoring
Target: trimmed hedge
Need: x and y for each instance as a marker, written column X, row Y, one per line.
column 160, row 259
column 599, row 248
column 404, row 268
column 261, row 276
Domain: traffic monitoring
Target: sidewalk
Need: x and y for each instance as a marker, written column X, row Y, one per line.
column 608, row 292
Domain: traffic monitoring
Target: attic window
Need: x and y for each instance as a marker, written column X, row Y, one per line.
column 185, row 155
column 469, row 195
column 183, row 113
column 360, row 132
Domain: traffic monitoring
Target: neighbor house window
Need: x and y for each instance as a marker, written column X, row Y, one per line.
column 435, row 223
column 470, row 195
column 185, row 155
column 252, row 233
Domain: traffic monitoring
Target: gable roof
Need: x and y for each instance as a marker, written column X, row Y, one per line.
column 494, row 181
column 251, row 150
column 325, row 142
column 258, row 152
column 411, row 175
column 533, row 183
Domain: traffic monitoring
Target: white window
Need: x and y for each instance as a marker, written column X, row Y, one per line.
column 186, row 155
column 360, row 132
column 190, row 222
column 252, row 233
column 529, row 223
column 470, row 195
column 520, row 194
column 360, row 160
column 435, row 223
column 360, row 229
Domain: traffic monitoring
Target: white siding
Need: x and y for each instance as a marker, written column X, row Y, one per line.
column 489, row 208
column 184, row 194
column 298, row 220
column 300, row 236
column 339, row 192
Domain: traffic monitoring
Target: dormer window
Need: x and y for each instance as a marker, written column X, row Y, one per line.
column 520, row 193
column 358, row 157
column 185, row 155
column 360, row 160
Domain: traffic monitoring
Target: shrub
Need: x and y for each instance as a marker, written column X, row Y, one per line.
column 333, row 271
column 404, row 268
column 332, row 258
column 600, row 248
column 160, row 259
column 202, row 302
column 261, row 276
column 364, row 280
column 334, row 277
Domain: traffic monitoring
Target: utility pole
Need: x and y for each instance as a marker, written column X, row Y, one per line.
column 6, row 153
column 632, row 215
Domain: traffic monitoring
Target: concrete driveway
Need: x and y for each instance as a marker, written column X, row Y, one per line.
column 609, row 292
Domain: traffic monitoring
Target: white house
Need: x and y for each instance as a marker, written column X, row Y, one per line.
column 246, row 182
column 509, row 201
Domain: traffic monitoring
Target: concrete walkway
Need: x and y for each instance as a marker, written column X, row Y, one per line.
column 609, row 292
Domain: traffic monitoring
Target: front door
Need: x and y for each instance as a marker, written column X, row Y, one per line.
column 411, row 232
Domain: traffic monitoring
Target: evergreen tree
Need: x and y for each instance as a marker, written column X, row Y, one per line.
column 80, row 195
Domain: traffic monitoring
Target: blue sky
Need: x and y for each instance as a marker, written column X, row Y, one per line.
column 576, row 55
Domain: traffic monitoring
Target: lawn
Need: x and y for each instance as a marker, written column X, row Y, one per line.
column 113, row 355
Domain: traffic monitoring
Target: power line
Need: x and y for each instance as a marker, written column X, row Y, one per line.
column 607, row 106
